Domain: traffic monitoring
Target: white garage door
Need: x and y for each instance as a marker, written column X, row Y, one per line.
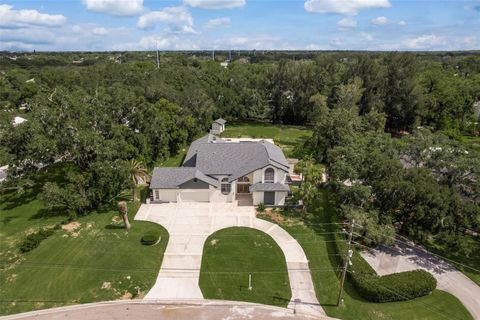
column 195, row 196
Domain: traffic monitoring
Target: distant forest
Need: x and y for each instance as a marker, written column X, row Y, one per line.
column 100, row 111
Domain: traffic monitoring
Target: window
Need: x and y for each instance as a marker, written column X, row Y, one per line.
column 157, row 194
column 269, row 175
column 243, row 179
column 226, row 187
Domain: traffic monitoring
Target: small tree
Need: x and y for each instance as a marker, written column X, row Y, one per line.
column 137, row 174
column 123, row 210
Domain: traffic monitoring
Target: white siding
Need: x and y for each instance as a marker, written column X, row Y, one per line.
column 280, row 175
column 279, row 198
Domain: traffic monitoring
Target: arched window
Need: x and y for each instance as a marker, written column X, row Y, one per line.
column 269, row 175
column 226, row 187
column 243, row 179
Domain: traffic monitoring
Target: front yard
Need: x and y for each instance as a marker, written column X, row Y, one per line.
column 91, row 259
column 231, row 254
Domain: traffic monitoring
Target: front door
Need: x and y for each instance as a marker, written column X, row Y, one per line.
column 243, row 188
column 269, row 198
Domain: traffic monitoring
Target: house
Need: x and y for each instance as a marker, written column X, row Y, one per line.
column 218, row 126
column 218, row 170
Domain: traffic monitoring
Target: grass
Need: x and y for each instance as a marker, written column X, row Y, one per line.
column 96, row 261
column 229, row 255
column 290, row 138
column 314, row 233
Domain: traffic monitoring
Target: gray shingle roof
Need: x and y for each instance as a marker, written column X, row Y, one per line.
column 220, row 121
column 173, row 177
column 212, row 155
column 269, row 187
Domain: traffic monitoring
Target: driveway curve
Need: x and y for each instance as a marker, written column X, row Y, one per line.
column 406, row 256
column 189, row 225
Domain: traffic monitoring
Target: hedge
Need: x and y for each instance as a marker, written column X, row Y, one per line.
column 150, row 239
column 33, row 240
column 393, row 287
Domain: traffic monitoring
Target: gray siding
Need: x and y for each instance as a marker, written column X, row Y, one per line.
column 194, row 185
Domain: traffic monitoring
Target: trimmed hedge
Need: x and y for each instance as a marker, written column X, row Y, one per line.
column 394, row 287
column 33, row 240
column 150, row 239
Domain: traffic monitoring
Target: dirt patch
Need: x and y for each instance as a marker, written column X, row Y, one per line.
column 116, row 220
column 106, row 285
column 213, row 242
column 126, row 296
column 72, row 226
column 12, row 277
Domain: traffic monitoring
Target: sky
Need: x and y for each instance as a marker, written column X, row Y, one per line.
column 106, row 25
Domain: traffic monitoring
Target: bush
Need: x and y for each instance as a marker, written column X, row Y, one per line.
column 261, row 207
column 150, row 239
column 33, row 240
column 394, row 287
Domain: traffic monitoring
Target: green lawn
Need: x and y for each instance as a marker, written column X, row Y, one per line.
column 96, row 261
column 287, row 137
column 314, row 234
column 229, row 255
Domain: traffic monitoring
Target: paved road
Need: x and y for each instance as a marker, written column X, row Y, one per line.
column 135, row 309
column 190, row 224
column 405, row 257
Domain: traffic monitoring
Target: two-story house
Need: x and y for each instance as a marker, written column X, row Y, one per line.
column 219, row 170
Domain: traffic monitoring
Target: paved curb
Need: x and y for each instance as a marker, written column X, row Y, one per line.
column 199, row 302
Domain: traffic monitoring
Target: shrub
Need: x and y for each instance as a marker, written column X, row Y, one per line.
column 261, row 207
column 394, row 287
column 150, row 239
column 33, row 240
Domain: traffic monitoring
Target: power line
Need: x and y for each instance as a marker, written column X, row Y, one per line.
column 416, row 247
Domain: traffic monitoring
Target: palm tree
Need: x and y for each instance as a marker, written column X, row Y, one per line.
column 138, row 174
column 123, row 210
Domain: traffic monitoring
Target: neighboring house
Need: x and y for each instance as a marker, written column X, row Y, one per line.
column 3, row 173
column 218, row 126
column 217, row 170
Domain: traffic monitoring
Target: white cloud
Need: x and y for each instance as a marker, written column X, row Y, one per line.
column 115, row 7
column 76, row 28
column 30, row 36
column 347, row 23
column 380, row 20
column 366, row 36
column 402, row 23
column 178, row 19
column 348, row 7
column 172, row 42
column 100, row 31
column 215, row 4
column 425, row 42
column 21, row 18
column 217, row 22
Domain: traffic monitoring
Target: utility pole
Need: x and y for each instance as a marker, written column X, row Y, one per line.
column 158, row 55
column 347, row 262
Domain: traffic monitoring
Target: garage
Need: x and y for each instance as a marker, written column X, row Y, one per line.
column 195, row 195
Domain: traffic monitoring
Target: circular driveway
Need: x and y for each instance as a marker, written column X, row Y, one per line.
column 189, row 224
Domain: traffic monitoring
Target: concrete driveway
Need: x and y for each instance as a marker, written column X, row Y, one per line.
column 189, row 225
column 405, row 257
